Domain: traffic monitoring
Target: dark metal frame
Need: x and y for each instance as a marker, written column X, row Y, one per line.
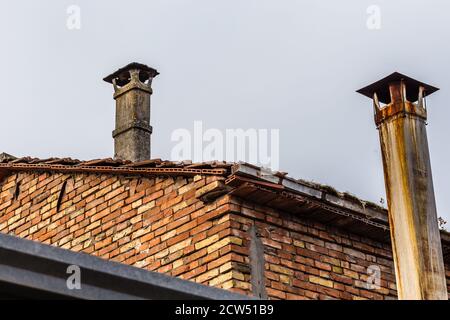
column 31, row 269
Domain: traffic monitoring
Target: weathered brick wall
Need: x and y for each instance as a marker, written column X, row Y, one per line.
column 304, row 259
column 161, row 225
column 157, row 224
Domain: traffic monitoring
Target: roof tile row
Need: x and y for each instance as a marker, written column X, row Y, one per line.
column 109, row 162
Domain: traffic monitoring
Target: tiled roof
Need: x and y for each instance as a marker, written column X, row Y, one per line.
column 108, row 165
column 5, row 157
column 152, row 163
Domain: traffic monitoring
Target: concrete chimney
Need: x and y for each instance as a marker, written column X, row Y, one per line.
column 400, row 115
column 132, row 91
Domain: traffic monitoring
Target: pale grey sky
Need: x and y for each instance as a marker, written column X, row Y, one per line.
column 292, row 65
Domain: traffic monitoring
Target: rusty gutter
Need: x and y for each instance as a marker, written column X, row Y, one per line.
column 233, row 179
column 321, row 197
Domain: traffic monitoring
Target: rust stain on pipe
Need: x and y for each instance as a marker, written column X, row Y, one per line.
column 416, row 242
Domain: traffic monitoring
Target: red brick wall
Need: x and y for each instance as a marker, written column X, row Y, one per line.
column 304, row 259
column 161, row 225
column 157, row 224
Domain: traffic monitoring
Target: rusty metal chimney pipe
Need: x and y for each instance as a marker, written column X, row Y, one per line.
column 415, row 236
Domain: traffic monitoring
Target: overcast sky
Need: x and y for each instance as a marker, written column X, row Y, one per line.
column 288, row 65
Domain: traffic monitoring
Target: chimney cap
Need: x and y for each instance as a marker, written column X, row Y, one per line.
column 122, row 75
column 381, row 88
